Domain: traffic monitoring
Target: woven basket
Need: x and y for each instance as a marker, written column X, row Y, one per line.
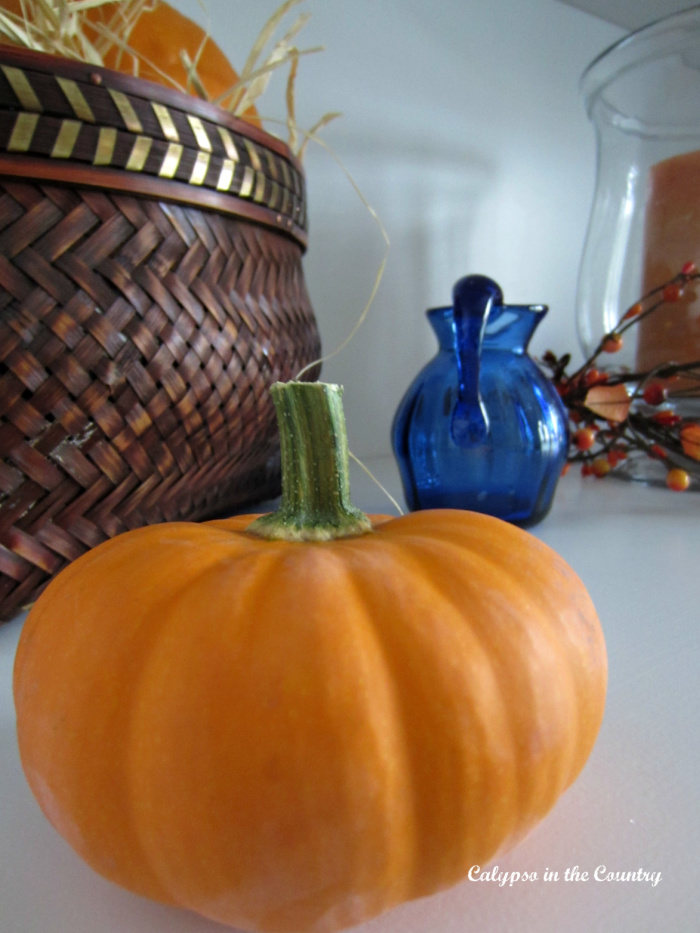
column 151, row 290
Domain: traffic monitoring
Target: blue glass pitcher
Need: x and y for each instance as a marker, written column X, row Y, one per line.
column 481, row 427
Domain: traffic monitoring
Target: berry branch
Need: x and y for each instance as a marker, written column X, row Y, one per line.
column 614, row 413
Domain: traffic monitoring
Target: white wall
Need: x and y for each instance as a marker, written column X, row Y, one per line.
column 464, row 129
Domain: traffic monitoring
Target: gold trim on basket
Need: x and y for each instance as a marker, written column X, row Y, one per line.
column 200, row 134
column 253, row 155
column 286, row 176
column 19, row 82
column 76, row 99
column 166, row 122
column 139, row 154
column 171, row 162
column 259, row 195
column 229, row 145
column 247, row 183
column 272, row 168
column 189, row 148
column 66, row 139
column 106, row 142
column 200, row 168
column 23, row 132
column 226, row 176
column 126, row 111
column 286, row 195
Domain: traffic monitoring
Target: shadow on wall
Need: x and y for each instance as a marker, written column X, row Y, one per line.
column 429, row 206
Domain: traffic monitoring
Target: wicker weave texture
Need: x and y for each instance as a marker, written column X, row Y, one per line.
column 138, row 341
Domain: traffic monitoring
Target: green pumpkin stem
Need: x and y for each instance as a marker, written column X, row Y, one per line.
column 315, row 503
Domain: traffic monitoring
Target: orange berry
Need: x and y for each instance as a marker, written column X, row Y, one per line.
column 601, row 467
column 584, row 438
column 654, row 393
column 666, row 418
column 633, row 311
column 615, row 456
column 612, row 344
column 678, row 480
column 672, row 292
column 594, row 377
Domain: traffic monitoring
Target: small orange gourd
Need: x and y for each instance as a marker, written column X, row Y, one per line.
column 297, row 724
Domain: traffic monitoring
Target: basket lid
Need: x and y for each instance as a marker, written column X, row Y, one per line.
column 65, row 121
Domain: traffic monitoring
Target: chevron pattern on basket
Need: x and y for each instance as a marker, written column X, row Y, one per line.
column 138, row 339
column 49, row 116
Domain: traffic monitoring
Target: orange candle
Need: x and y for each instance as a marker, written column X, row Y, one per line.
column 672, row 238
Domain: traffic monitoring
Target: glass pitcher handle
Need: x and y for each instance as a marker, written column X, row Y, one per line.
column 472, row 299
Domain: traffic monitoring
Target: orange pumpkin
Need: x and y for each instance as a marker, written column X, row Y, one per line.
column 158, row 37
column 290, row 735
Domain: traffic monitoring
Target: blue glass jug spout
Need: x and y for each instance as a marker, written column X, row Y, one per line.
column 481, row 427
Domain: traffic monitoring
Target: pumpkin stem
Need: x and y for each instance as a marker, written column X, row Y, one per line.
column 315, row 502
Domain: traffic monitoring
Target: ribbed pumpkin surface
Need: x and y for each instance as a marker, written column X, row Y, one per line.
column 287, row 736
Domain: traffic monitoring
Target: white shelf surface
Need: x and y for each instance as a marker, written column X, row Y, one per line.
column 635, row 806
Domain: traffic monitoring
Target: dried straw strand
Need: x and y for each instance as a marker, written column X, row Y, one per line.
column 62, row 27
